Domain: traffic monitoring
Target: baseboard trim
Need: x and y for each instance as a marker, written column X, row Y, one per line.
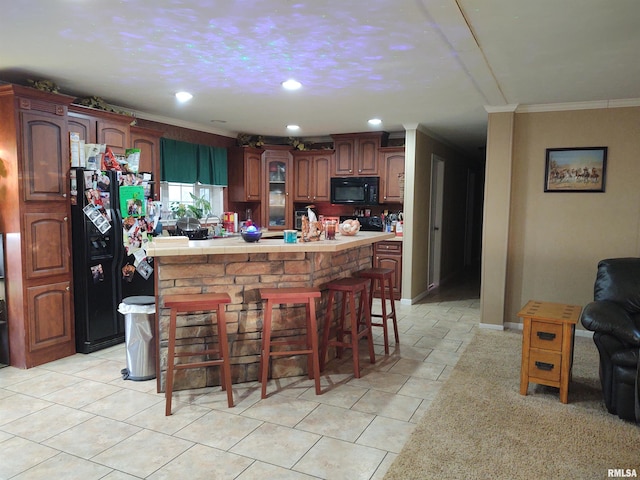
column 491, row 326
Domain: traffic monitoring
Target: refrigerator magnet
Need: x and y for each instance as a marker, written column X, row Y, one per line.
column 132, row 201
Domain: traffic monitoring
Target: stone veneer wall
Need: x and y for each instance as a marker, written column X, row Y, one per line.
column 241, row 276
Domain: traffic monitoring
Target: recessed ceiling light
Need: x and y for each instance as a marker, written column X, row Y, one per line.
column 184, row 96
column 291, row 84
column 293, row 127
column 375, row 121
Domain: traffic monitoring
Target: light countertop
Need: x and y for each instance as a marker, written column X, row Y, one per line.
column 172, row 246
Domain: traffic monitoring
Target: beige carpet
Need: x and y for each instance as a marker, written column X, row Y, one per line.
column 479, row 426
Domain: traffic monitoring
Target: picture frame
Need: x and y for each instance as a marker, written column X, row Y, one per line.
column 579, row 169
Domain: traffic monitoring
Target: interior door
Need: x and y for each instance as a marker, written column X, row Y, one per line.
column 435, row 221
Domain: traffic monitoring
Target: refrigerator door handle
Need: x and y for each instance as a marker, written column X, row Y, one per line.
column 116, row 216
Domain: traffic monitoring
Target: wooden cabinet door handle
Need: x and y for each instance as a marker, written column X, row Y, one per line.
column 546, row 335
column 545, row 366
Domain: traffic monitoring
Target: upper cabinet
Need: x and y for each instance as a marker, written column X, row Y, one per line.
column 45, row 154
column 115, row 130
column 277, row 206
column 148, row 142
column 391, row 167
column 357, row 154
column 312, row 170
column 115, row 133
column 244, row 174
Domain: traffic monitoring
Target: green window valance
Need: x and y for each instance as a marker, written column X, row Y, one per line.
column 185, row 162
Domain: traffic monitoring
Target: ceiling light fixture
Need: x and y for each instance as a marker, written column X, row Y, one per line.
column 293, row 127
column 291, row 84
column 184, row 96
column 375, row 121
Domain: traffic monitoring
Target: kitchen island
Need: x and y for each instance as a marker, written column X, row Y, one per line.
column 231, row 265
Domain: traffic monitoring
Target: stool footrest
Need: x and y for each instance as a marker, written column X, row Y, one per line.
column 197, row 354
column 275, row 343
column 289, row 353
column 208, row 363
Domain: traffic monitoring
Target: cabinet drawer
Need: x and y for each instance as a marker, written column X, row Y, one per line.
column 545, row 365
column 390, row 247
column 547, row 336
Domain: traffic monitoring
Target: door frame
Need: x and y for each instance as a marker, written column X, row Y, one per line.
column 435, row 220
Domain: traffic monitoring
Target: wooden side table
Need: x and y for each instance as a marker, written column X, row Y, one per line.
column 547, row 345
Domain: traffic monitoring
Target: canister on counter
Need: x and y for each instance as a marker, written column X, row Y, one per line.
column 230, row 222
column 330, row 230
column 290, row 236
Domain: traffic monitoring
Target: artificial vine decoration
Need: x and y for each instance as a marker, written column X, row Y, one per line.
column 99, row 104
column 44, row 85
column 246, row 140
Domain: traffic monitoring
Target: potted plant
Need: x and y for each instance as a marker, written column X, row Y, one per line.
column 178, row 209
column 201, row 207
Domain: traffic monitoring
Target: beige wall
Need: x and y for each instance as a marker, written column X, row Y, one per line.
column 555, row 240
column 496, row 218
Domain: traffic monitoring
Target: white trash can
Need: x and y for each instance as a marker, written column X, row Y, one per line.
column 139, row 337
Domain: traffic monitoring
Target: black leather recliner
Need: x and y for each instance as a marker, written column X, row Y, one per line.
column 614, row 317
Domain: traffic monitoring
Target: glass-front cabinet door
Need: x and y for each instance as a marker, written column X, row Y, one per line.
column 278, row 182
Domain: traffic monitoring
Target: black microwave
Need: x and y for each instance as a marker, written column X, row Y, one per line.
column 355, row 190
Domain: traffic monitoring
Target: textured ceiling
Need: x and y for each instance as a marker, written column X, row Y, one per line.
column 436, row 63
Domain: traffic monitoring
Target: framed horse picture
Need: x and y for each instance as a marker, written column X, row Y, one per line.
column 575, row 169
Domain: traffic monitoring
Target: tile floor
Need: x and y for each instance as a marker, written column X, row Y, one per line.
column 77, row 418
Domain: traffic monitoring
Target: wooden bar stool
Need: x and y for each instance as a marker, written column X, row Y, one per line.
column 294, row 295
column 191, row 304
column 382, row 276
column 349, row 287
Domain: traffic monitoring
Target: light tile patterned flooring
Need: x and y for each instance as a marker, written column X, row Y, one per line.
column 76, row 417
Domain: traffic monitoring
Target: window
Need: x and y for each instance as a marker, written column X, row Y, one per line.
column 179, row 192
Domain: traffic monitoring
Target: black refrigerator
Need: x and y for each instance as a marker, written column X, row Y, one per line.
column 113, row 216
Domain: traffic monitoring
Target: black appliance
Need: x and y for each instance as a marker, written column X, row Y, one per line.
column 297, row 218
column 367, row 224
column 105, row 269
column 355, row 190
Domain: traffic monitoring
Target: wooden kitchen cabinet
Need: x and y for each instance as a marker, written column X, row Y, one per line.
column 97, row 126
column 49, row 310
column 81, row 123
column 244, row 174
column 148, row 141
column 49, row 232
column 388, row 254
column 34, row 216
column 277, row 206
column 357, row 154
column 114, row 130
column 392, row 165
column 312, row 171
column 45, row 159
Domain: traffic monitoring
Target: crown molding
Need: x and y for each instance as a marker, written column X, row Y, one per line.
column 511, row 107
column 597, row 104
column 566, row 106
